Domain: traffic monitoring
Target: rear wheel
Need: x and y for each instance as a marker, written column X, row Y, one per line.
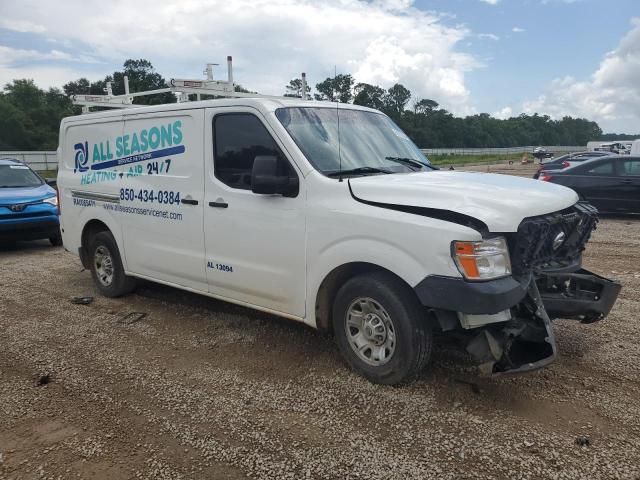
column 381, row 328
column 106, row 266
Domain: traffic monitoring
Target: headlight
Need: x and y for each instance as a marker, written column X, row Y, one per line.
column 51, row 201
column 482, row 260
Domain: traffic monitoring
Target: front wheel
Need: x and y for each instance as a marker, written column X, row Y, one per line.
column 106, row 266
column 381, row 328
column 56, row 240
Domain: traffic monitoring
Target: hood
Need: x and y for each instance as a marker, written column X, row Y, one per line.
column 499, row 201
column 25, row 194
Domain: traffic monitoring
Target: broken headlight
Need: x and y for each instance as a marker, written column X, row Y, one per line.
column 483, row 260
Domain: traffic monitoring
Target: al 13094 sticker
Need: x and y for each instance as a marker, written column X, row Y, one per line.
column 220, row 266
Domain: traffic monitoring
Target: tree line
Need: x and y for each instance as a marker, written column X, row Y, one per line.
column 30, row 116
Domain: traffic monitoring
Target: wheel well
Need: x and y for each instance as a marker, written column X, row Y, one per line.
column 90, row 229
column 332, row 283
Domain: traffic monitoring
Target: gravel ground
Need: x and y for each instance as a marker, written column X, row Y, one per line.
column 203, row 389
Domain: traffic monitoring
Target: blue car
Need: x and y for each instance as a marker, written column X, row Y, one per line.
column 28, row 206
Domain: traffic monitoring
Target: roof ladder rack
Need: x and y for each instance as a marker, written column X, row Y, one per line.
column 179, row 86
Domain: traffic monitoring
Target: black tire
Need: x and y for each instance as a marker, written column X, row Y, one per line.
column 413, row 337
column 56, row 240
column 120, row 284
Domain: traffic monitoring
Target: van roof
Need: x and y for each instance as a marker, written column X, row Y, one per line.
column 264, row 104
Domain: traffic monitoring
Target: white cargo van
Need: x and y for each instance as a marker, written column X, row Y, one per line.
column 328, row 214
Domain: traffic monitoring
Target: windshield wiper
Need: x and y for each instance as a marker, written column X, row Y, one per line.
column 409, row 162
column 358, row 171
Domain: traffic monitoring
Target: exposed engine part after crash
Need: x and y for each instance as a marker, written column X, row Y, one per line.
column 553, row 242
column 524, row 343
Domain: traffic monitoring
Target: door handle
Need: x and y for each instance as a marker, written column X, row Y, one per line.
column 627, row 181
column 188, row 201
column 218, row 204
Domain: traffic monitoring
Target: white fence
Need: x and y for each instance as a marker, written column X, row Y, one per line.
column 498, row 151
column 41, row 161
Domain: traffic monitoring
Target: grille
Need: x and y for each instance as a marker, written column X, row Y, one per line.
column 532, row 247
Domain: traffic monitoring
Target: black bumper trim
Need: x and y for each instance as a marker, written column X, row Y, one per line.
column 451, row 293
column 29, row 230
column 582, row 295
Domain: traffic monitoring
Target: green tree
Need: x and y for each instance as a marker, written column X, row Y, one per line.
column 30, row 117
column 294, row 89
column 396, row 99
column 336, row 89
column 369, row 95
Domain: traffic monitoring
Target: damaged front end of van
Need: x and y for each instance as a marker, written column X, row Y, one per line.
column 506, row 323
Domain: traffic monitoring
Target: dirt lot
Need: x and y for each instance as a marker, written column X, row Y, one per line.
column 202, row 389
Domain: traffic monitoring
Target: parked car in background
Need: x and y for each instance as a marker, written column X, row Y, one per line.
column 28, row 206
column 564, row 161
column 610, row 183
column 540, row 153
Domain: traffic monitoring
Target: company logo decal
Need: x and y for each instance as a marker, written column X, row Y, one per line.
column 82, row 157
column 146, row 144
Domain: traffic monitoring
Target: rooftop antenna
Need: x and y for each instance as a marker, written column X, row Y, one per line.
column 230, row 71
column 335, row 96
column 304, row 86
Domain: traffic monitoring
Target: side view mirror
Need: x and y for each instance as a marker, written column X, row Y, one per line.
column 266, row 180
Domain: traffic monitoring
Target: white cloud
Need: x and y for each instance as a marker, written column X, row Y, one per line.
column 272, row 41
column 517, row 29
column 488, row 36
column 611, row 96
column 504, row 113
column 490, row 2
column 21, row 26
column 10, row 56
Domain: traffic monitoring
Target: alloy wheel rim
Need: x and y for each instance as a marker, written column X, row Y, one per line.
column 103, row 263
column 370, row 331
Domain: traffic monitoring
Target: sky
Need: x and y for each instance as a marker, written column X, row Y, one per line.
column 504, row 57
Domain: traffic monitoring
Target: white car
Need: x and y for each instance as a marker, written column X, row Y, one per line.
column 329, row 215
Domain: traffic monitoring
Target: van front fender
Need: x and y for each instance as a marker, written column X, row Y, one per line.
column 362, row 250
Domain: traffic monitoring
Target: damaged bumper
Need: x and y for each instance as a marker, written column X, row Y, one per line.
column 582, row 295
column 526, row 341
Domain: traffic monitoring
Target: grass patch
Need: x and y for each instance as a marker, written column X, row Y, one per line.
column 48, row 173
column 453, row 159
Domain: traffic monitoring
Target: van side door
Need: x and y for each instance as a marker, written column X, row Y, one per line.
column 161, row 196
column 255, row 243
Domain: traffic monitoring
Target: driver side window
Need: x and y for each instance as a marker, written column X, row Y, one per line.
column 238, row 139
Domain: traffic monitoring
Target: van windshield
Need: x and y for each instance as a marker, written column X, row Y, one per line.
column 351, row 141
column 15, row 176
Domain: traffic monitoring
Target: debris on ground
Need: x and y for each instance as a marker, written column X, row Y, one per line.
column 81, row 300
column 132, row 317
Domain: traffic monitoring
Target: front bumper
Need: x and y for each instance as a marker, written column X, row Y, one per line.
column 45, row 227
column 582, row 295
column 525, row 342
column 458, row 295
column 33, row 222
